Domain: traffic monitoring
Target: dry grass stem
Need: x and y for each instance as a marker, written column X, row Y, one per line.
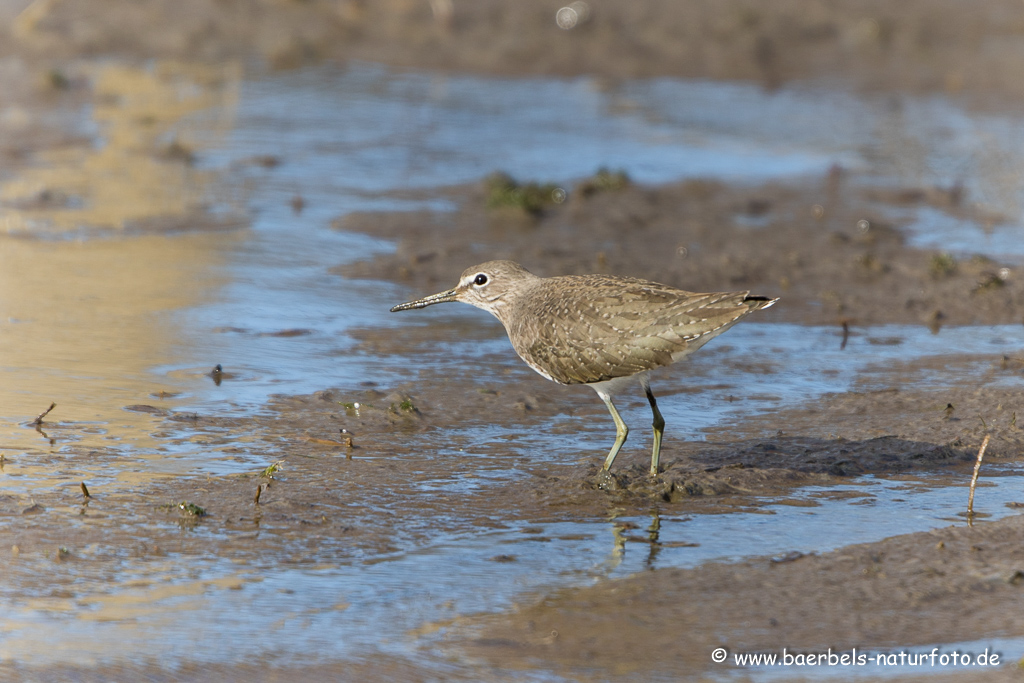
column 39, row 419
column 974, row 477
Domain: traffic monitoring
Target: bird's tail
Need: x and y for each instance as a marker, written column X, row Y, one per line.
column 756, row 303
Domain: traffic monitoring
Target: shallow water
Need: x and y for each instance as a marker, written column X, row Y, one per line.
column 96, row 321
column 133, row 317
column 757, row 368
column 400, row 604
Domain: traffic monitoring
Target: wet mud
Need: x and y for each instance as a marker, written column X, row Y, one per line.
column 919, row 46
column 948, row 585
column 826, row 247
column 357, row 475
column 370, row 472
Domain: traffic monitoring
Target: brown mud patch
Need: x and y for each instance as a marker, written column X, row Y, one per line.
column 412, row 455
column 414, row 461
column 910, row 46
column 419, row 451
column 825, row 247
column 949, row 585
column 419, row 460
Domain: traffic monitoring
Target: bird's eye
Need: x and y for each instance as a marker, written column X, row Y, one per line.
column 480, row 280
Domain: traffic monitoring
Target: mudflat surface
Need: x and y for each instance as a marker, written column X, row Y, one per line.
column 411, row 466
column 914, row 46
column 373, row 490
column 659, row 623
column 825, row 246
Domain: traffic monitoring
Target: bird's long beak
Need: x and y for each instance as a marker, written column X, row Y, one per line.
column 439, row 298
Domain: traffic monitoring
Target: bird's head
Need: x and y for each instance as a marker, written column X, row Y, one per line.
column 488, row 286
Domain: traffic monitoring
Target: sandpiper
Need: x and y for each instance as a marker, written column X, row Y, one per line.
column 600, row 330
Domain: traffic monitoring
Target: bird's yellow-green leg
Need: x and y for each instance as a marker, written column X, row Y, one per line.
column 621, row 431
column 659, row 429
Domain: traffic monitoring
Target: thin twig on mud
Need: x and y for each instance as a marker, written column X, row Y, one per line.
column 39, row 420
column 974, row 478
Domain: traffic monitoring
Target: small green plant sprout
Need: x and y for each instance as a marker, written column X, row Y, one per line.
column 502, row 191
column 353, row 407
column 56, row 79
column 268, row 472
column 602, row 181
column 942, row 265
column 989, row 281
column 404, row 406
column 191, row 509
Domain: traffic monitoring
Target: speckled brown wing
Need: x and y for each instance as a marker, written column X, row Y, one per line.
column 593, row 328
